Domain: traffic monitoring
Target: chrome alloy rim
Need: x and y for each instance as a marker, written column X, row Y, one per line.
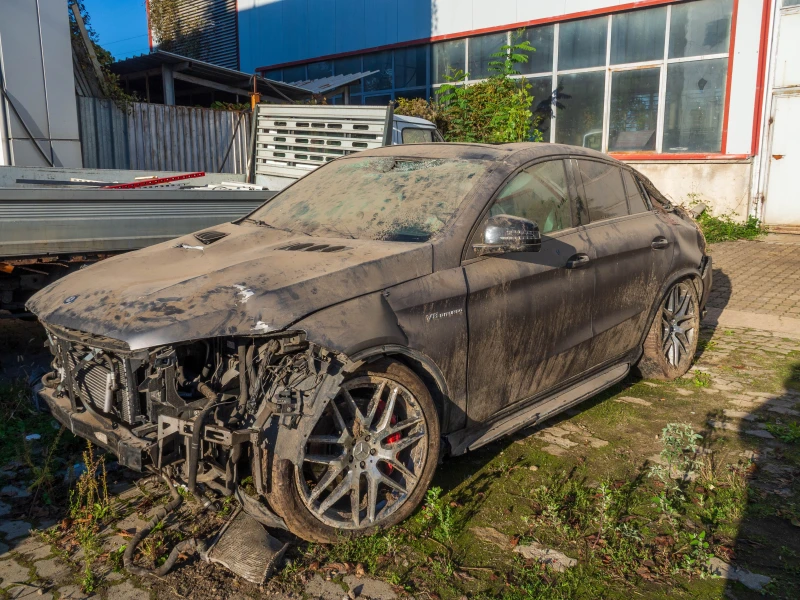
column 678, row 324
column 365, row 455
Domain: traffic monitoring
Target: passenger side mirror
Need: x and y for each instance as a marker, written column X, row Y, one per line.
column 506, row 233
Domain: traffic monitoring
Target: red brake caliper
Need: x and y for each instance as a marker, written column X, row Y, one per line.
column 395, row 437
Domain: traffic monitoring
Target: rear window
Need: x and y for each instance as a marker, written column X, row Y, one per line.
column 634, row 192
column 415, row 135
column 602, row 185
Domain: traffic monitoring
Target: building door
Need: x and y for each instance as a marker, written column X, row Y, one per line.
column 782, row 201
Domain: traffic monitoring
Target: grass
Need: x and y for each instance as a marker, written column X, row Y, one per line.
column 725, row 229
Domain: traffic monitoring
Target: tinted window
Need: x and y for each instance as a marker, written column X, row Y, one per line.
column 635, row 200
column 602, row 185
column 539, row 194
column 415, row 135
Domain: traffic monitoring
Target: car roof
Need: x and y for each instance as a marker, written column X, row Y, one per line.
column 414, row 121
column 513, row 153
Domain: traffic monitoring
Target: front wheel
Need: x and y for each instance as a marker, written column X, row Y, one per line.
column 368, row 461
column 672, row 340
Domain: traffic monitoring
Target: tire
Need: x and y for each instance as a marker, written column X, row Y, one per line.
column 348, row 484
column 671, row 343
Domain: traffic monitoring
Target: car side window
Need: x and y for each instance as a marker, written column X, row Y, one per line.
column 636, row 202
column 603, row 189
column 539, row 194
column 416, row 135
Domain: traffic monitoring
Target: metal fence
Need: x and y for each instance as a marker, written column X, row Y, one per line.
column 162, row 138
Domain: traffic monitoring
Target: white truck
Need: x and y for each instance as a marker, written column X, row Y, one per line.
column 47, row 230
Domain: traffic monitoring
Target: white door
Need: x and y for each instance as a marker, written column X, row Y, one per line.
column 782, row 206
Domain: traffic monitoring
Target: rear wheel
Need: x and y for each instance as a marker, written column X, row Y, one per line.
column 368, row 460
column 672, row 340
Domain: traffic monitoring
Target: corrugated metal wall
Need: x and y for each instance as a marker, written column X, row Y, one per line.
column 161, row 138
column 212, row 28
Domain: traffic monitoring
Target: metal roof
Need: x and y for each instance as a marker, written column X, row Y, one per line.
column 324, row 85
column 204, row 70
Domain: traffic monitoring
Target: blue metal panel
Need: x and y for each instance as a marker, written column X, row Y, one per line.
column 350, row 25
column 321, row 32
column 380, row 23
column 295, row 28
column 414, row 19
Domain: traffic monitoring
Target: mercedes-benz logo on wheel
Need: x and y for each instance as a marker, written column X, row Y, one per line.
column 70, row 300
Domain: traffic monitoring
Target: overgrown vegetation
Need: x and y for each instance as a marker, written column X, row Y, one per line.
column 725, row 228
column 495, row 110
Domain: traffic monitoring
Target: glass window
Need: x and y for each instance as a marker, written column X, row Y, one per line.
column 481, row 49
column 274, row 74
column 381, row 62
column 694, row 106
column 580, row 122
column 381, row 100
column 375, row 198
column 602, row 187
column 636, row 202
column 448, row 57
column 634, row 110
column 420, row 93
column 787, row 3
column 415, row 135
column 541, row 107
column 292, row 74
column 538, row 194
column 348, row 66
column 582, row 44
column 699, row 28
column 410, row 67
column 540, row 61
column 638, row 36
column 320, row 69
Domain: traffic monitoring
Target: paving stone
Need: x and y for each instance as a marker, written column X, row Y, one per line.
column 554, row 450
column 650, row 384
column 51, row 568
column 492, row 536
column 633, row 400
column 4, row 509
column 15, row 529
column 13, row 572
column 28, row 592
column 367, row 587
column 33, row 548
column 760, row 433
column 558, row 561
column 114, row 576
column 14, row 491
column 4, row 550
column 71, row 592
column 558, row 441
column 784, row 411
column 683, row 392
column 751, row 580
column 127, row 591
column 739, row 414
column 723, row 425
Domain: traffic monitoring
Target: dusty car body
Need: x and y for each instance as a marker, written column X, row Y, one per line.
column 391, row 307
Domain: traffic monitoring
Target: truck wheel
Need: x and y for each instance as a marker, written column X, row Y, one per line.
column 672, row 340
column 368, row 461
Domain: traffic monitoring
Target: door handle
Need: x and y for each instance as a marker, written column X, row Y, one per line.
column 659, row 243
column 577, row 261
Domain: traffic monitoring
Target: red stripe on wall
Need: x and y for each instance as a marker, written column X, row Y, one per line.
column 734, row 18
column 762, row 70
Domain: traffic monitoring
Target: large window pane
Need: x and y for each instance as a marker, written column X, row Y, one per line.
column 348, row 66
column 695, row 103
column 541, row 38
column 582, row 44
column 320, row 69
column 410, row 66
column 634, row 110
column 787, row 3
column 541, row 107
column 292, row 74
column 448, row 57
column 580, row 122
column 381, row 100
column 274, row 74
column 381, row 62
column 481, row 49
column 699, row 28
column 638, row 36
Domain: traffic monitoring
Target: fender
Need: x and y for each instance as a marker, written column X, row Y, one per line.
column 692, row 272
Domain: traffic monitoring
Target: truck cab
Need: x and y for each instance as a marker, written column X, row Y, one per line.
column 413, row 130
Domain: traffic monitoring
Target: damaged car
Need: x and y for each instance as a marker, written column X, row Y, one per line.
column 389, row 309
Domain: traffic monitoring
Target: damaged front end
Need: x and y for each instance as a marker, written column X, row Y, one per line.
column 209, row 413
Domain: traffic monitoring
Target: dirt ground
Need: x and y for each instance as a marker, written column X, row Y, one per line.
column 650, row 489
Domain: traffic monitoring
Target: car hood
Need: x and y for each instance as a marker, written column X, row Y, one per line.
column 249, row 282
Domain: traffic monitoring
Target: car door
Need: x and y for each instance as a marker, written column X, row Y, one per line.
column 633, row 253
column 529, row 313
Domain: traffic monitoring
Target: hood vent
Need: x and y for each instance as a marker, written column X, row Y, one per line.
column 314, row 248
column 209, row 237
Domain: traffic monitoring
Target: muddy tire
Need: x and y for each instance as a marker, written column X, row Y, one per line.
column 672, row 340
column 368, row 461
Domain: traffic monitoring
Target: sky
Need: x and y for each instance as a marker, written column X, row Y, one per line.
column 121, row 26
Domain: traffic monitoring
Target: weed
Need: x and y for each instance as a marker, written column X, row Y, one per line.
column 437, row 512
column 701, row 379
column 698, row 556
column 115, row 558
column 789, row 434
column 724, row 228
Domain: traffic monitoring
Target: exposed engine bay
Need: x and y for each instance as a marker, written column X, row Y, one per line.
column 209, row 411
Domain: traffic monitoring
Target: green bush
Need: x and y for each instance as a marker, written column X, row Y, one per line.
column 725, row 229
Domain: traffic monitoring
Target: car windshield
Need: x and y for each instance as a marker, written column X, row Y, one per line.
column 374, row 198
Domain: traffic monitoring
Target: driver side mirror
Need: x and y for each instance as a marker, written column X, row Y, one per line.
column 506, row 233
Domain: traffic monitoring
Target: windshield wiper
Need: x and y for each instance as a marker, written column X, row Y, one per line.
column 261, row 223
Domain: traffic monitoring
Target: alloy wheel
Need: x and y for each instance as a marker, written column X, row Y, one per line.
column 365, row 455
column 678, row 324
